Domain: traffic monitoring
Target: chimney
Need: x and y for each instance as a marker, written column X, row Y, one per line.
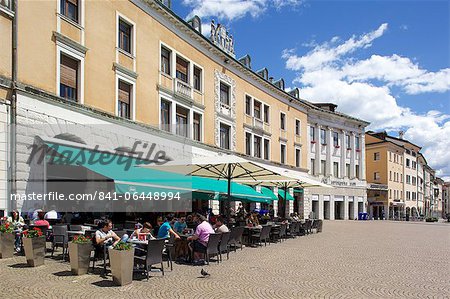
column 271, row 79
column 400, row 134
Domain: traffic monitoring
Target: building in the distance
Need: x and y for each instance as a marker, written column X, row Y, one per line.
column 336, row 156
column 446, row 199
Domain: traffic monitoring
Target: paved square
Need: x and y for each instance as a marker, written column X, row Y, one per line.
column 349, row 259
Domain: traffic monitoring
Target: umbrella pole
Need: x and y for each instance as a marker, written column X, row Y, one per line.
column 285, row 200
column 228, row 204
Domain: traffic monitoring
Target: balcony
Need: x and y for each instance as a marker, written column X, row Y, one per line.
column 258, row 123
column 283, row 134
column 183, row 88
column 225, row 109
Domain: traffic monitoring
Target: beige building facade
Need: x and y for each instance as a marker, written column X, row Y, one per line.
column 135, row 65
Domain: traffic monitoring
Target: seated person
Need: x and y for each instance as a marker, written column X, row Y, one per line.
column 220, row 227
column 105, row 236
column 200, row 238
column 180, row 225
column 41, row 221
column 166, row 229
column 146, row 229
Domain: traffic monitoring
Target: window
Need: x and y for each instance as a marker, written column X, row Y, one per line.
column 182, row 70
column 257, row 109
column 336, row 169
column 197, row 78
column 312, row 133
column 248, row 144
column 390, row 156
column 390, row 193
column 165, row 115
column 414, row 195
column 323, row 137
column 390, row 175
column 414, row 180
column 408, row 179
column 313, row 166
column 297, row 127
column 376, row 156
column 124, row 104
column 224, row 94
column 347, row 170
column 266, row 114
column 68, row 86
column 414, row 165
column 408, row 163
column 266, row 149
column 376, row 176
column 357, row 171
column 224, row 136
column 298, row 157
column 283, row 154
column 257, row 146
column 357, row 145
column 165, row 60
column 322, row 167
column 282, row 121
column 182, row 121
column 125, row 36
column 197, row 127
column 336, row 139
column 69, row 8
column 248, row 105
column 408, row 195
column 347, row 142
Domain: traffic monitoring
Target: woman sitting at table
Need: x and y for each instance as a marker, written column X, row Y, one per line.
column 146, row 229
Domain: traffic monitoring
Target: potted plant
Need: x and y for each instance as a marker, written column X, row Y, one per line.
column 7, row 238
column 121, row 258
column 34, row 246
column 80, row 254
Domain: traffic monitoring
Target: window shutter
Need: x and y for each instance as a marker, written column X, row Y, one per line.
column 124, row 92
column 182, row 66
column 68, row 72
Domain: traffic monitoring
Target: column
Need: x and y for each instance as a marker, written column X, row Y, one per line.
column 329, row 164
column 317, row 145
column 345, row 207
column 352, row 155
column 355, row 206
column 343, row 151
column 321, row 214
column 331, row 207
column 362, row 161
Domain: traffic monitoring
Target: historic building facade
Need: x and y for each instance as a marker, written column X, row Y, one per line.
column 110, row 74
column 336, row 156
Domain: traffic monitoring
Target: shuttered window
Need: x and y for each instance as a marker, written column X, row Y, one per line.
column 68, row 78
column 182, row 69
column 124, row 104
column 125, row 36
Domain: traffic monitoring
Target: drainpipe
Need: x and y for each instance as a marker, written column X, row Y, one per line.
column 13, row 108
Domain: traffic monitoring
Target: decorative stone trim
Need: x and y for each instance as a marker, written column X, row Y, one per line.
column 69, row 42
column 117, row 67
column 218, row 116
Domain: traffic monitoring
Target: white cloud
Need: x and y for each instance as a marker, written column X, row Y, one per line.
column 363, row 88
column 230, row 10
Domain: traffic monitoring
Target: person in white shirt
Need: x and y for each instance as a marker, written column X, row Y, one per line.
column 220, row 227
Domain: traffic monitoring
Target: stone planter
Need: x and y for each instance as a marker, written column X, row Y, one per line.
column 34, row 251
column 7, row 245
column 80, row 257
column 122, row 266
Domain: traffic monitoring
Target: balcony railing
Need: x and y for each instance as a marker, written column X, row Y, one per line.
column 225, row 109
column 258, row 123
column 182, row 88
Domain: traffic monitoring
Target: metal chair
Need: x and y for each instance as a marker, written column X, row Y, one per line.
column 212, row 248
column 223, row 245
column 170, row 247
column 236, row 237
column 153, row 256
column 75, row 227
column 263, row 235
column 60, row 238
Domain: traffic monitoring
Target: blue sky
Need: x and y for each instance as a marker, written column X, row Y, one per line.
column 384, row 61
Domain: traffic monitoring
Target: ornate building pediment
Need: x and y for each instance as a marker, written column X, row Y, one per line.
column 221, row 38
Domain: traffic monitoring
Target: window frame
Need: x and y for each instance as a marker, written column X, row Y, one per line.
column 222, row 83
column 298, row 127
column 200, row 78
column 63, row 49
column 63, row 5
column 221, row 124
column 130, row 98
column 169, row 124
column 170, row 52
column 133, row 46
column 283, row 121
column 283, row 153
column 125, row 79
column 298, row 157
column 120, row 44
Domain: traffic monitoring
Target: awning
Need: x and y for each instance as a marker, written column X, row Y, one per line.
column 282, row 193
column 128, row 178
column 269, row 193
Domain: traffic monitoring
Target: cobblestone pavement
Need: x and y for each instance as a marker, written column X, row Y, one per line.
column 348, row 259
